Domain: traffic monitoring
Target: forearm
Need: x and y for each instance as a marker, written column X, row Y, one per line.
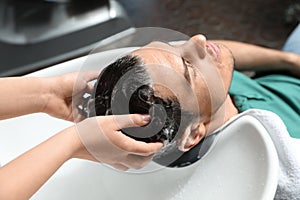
column 98, row 139
column 22, row 177
column 257, row 58
column 23, row 95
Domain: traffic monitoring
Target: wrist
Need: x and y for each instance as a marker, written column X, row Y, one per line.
column 74, row 144
column 49, row 95
column 289, row 60
column 45, row 97
column 77, row 148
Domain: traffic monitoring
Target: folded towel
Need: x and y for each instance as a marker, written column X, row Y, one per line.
column 288, row 150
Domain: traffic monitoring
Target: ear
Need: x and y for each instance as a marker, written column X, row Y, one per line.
column 191, row 137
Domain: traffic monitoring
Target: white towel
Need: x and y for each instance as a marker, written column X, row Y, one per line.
column 288, row 150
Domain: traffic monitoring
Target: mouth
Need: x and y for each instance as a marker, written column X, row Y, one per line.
column 214, row 48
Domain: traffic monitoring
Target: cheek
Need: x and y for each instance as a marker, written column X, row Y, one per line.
column 226, row 70
column 211, row 92
column 207, row 95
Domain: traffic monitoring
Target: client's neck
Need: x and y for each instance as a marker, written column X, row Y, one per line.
column 231, row 109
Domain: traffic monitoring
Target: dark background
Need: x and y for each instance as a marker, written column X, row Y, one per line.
column 262, row 22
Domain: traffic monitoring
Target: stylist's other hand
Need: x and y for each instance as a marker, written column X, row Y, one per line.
column 66, row 93
column 101, row 140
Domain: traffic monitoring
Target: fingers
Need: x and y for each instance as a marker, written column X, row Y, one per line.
column 118, row 122
column 142, row 148
column 89, row 75
column 133, row 162
column 137, row 162
column 126, row 121
column 90, row 88
column 82, row 80
column 102, row 139
column 135, row 147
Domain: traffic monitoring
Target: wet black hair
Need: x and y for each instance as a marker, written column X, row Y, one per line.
column 125, row 87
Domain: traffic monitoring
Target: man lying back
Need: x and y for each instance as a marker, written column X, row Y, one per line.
column 191, row 89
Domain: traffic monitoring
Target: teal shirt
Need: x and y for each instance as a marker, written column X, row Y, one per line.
column 277, row 93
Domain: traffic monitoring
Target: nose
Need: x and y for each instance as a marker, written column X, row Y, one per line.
column 199, row 39
column 194, row 47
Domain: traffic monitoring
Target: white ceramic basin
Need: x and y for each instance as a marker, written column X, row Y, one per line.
column 242, row 164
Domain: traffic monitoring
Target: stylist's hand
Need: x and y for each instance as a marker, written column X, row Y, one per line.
column 101, row 140
column 66, row 94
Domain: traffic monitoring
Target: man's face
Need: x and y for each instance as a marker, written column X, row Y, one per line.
column 207, row 67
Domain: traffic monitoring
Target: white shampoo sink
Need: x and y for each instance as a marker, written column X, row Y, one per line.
column 242, row 164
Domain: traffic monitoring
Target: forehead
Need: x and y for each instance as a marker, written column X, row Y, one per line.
column 165, row 57
column 159, row 53
column 166, row 70
column 161, row 63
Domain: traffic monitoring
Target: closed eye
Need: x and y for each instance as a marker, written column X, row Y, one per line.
column 186, row 73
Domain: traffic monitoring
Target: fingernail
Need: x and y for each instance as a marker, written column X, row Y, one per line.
column 146, row 118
